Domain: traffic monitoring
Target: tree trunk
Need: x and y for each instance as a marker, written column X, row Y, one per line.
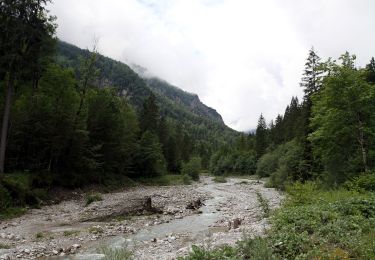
column 361, row 141
column 5, row 124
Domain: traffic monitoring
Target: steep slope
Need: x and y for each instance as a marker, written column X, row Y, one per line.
column 179, row 107
column 188, row 100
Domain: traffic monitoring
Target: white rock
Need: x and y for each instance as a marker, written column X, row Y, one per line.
column 75, row 246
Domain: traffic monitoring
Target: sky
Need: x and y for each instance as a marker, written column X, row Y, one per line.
column 242, row 57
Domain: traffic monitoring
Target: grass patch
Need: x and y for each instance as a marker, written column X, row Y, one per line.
column 69, row 233
column 90, row 198
column 9, row 213
column 116, row 253
column 263, row 202
column 39, row 235
column 4, row 246
column 219, row 179
column 96, row 230
column 166, row 180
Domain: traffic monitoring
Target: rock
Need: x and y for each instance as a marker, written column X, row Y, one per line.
column 55, row 252
column 196, row 204
column 5, row 257
column 27, row 251
column 154, row 240
column 3, row 235
column 236, row 223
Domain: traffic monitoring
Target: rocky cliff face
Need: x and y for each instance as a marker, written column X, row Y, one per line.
column 188, row 100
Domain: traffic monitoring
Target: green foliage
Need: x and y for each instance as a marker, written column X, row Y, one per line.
column 12, row 212
column 39, row 235
column 261, row 138
column 192, row 168
column 219, row 179
column 343, row 122
column 4, row 246
column 116, row 253
column 363, row 182
column 200, row 253
column 90, row 198
column 317, row 223
column 227, row 161
column 165, row 180
column 151, row 161
column 5, row 199
column 69, row 233
column 283, row 165
column 19, row 186
column 257, row 248
column 264, row 205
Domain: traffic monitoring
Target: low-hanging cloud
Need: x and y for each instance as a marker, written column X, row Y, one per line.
column 241, row 57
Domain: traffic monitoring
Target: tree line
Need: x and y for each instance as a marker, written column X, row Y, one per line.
column 330, row 134
column 59, row 127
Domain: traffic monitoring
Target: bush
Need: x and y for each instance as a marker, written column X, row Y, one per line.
column 90, row 198
column 364, row 182
column 219, row 179
column 283, row 165
column 116, row 253
column 5, row 199
column 316, row 224
column 192, row 168
column 20, row 189
column 233, row 162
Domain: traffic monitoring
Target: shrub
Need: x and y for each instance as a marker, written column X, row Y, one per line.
column 363, row 182
column 255, row 248
column 90, row 198
column 5, row 199
column 219, row 179
column 192, row 168
column 116, row 253
column 283, row 165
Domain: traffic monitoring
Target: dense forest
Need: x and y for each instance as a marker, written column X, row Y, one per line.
column 328, row 136
column 73, row 117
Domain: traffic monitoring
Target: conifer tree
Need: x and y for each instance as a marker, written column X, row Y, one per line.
column 149, row 117
column 261, row 137
column 370, row 68
column 312, row 75
column 26, row 31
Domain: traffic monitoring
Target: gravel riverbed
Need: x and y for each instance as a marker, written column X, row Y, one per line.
column 72, row 230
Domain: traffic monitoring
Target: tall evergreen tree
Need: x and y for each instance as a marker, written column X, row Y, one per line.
column 370, row 68
column 312, row 75
column 25, row 32
column 261, row 137
column 343, row 122
column 149, row 117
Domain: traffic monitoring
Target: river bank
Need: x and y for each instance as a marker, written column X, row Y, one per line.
column 73, row 229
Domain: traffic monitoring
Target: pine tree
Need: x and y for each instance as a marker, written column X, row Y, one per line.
column 261, row 137
column 312, row 75
column 312, row 83
column 149, row 117
column 370, row 68
column 343, row 122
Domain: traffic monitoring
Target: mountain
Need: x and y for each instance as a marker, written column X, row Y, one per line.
column 188, row 100
column 181, row 108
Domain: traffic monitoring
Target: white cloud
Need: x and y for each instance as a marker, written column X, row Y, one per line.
column 241, row 57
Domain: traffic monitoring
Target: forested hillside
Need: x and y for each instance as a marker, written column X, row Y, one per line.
column 72, row 117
